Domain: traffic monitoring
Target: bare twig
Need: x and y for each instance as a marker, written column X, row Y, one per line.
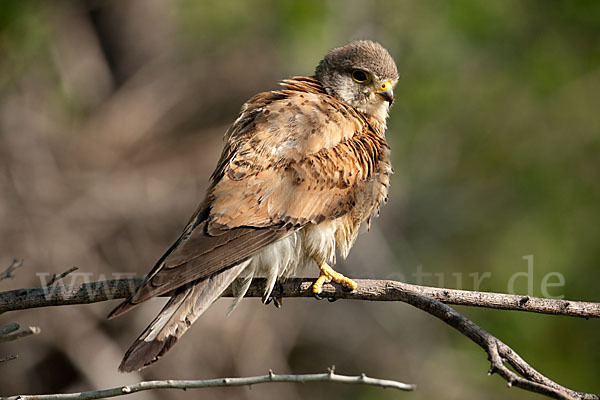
column 32, row 330
column 8, row 328
column 56, row 278
column 330, row 376
column 9, row 272
column 7, row 335
column 368, row 289
column 8, row 358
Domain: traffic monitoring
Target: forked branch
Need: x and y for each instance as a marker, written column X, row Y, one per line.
column 499, row 353
column 9, row 272
column 428, row 299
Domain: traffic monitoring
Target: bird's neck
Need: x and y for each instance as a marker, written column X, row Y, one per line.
column 377, row 124
column 377, row 115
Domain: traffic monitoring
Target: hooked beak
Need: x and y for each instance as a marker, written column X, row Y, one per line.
column 385, row 92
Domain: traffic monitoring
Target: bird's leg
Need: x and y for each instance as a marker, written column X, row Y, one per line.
column 327, row 275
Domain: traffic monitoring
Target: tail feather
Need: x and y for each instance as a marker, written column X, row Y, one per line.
column 180, row 312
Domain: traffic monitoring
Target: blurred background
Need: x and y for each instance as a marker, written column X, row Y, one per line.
column 111, row 119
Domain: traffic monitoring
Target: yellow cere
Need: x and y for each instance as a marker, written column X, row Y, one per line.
column 386, row 86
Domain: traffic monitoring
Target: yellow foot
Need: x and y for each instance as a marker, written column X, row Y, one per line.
column 328, row 275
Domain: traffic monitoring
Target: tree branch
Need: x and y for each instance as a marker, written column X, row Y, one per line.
column 428, row 299
column 330, row 376
column 498, row 353
column 368, row 289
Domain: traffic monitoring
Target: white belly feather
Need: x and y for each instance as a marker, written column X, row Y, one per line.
column 291, row 255
column 314, row 242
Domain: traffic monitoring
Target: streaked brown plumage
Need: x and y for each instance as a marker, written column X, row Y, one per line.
column 302, row 169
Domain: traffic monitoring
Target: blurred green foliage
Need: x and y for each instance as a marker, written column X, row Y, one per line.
column 495, row 138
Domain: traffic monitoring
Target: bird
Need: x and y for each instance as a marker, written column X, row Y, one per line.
column 302, row 169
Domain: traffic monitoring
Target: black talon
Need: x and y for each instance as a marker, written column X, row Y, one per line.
column 331, row 299
column 317, row 296
column 276, row 301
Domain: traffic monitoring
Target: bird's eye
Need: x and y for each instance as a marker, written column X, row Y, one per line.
column 361, row 76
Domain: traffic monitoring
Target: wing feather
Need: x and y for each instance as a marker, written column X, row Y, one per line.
column 198, row 256
column 301, row 160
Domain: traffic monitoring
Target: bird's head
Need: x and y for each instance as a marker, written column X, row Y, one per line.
column 361, row 74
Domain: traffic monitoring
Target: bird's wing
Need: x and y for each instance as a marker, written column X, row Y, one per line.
column 300, row 159
column 198, row 255
column 293, row 157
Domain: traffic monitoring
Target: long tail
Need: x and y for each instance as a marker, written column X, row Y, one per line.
column 176, row 317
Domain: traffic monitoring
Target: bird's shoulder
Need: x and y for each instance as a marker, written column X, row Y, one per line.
column 296, row 156
column 276, row 127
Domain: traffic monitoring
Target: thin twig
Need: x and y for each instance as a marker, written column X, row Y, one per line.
column 330, row 376
column 8, row 333
column 368, row 289
column 32, row 330
column 58, row 277
column 8, row 328
column 9, row 272
column 8, row 358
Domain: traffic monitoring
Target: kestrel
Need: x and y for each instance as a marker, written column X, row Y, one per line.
column 302, row 169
